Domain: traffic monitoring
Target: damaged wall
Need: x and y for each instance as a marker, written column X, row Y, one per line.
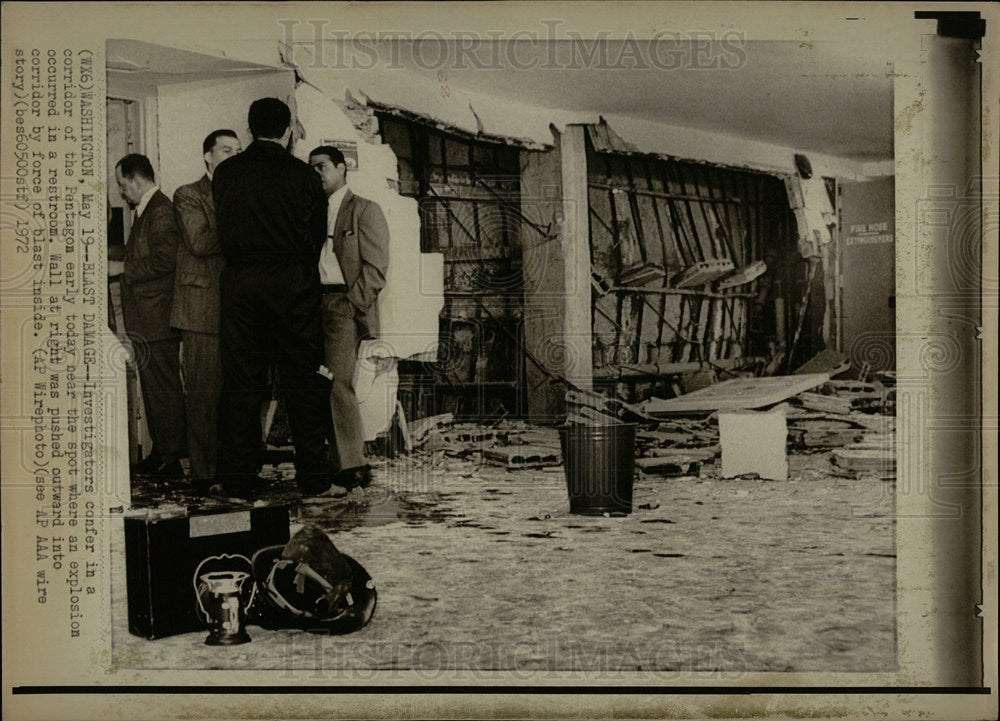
column 468, row 191
column 691, row 264
column 441, row 98
column 437, row 100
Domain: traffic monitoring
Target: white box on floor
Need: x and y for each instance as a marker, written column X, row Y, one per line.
column 754, row 442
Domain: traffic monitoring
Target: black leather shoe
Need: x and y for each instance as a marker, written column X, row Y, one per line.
column 147, row 465
column 359, row 477
column 168, row 470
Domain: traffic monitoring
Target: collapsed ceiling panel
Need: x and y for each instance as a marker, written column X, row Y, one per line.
column 736, row 394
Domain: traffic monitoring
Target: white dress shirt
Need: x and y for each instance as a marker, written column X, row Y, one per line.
column 117, row 267
column 145, row 201
column 330, row 272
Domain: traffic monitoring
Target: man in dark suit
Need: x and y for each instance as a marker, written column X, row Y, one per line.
column 352, row 268
column 270, row 213
column 196, row 304
column 147, row 293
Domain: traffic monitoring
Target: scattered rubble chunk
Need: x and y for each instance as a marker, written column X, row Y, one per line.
column 435, row 442
column 822, row 433
column 419, row 430
column 867, row 397
column 826, row 404
column 885, row 442
column 473, row 433
column 523, row 456
column 705, row 455
column 831, row 438
column 855, row 389
column 540, row 437
column 875, row 423
column 880, row 461
column 669, row 465
column 664, row 438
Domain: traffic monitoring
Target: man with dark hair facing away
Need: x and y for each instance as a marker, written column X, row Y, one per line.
column 270, row 213
column 352, row 268
column 196, row 305
column 147, row 294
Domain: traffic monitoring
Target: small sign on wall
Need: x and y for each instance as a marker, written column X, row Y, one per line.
column 350, row 150
column 869, row 233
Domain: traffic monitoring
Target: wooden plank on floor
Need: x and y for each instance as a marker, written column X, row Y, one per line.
column 826, row 404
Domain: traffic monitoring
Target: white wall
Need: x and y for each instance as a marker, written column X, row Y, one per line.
column 187, row 112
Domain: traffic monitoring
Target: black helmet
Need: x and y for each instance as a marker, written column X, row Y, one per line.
column 309, row 584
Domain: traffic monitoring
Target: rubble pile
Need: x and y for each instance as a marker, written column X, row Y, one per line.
column 677, row 447
column 511, row 444
column 851, row 420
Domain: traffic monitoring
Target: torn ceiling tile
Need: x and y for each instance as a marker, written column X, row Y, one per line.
column 606, row 140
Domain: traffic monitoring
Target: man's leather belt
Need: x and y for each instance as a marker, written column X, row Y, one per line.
column 339, row 288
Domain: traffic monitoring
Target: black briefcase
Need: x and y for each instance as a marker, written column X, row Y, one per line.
column 166, row 552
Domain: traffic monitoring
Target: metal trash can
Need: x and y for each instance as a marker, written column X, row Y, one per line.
column 599, row 463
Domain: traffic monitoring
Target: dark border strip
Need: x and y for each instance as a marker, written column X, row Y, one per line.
column 532, row 690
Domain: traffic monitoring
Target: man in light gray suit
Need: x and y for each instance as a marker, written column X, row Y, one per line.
column 196, row 305
column 352, row 268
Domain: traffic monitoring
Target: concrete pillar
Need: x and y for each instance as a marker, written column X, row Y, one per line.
column 544, row 279
column 556, row 270
column 575, row 244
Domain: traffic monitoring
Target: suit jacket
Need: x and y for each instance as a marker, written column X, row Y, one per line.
column 270, row 208
column 150, row 260
column 361, row 242
column 199, row 260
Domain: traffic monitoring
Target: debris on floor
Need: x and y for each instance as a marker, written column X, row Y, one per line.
column 420, row 430
column 823, row 433
column 523, row 456
column 744, row 426
column 865, row 461
column 704, row 455
column 679, row 464
column 825, row 404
